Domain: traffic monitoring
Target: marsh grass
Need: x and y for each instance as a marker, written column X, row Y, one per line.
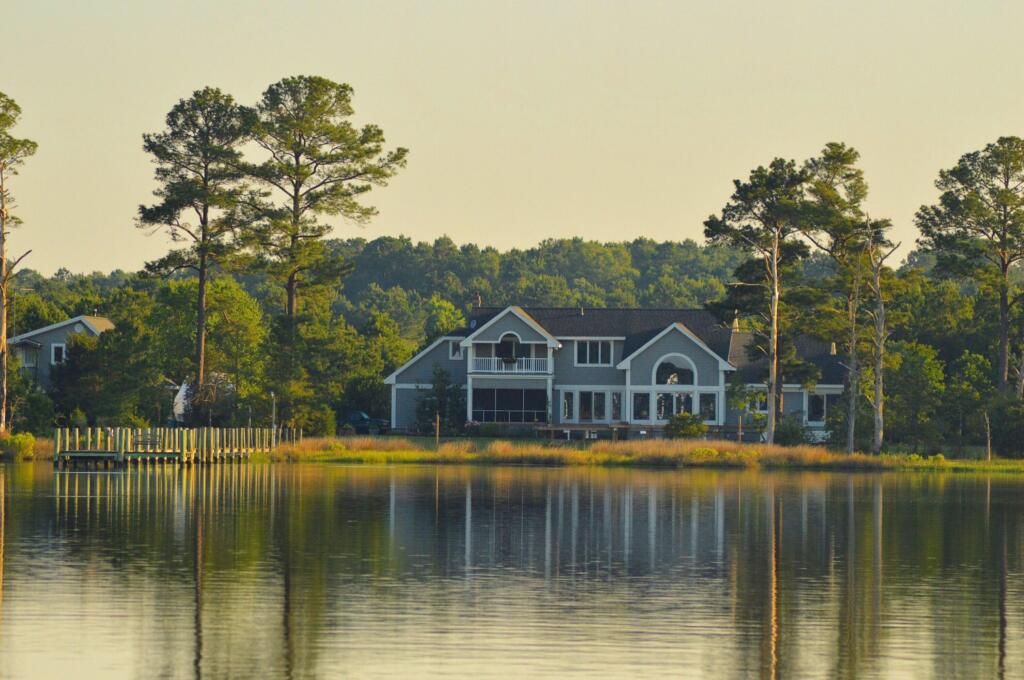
column 653, row 453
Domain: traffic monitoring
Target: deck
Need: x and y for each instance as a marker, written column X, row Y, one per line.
column 121, row 446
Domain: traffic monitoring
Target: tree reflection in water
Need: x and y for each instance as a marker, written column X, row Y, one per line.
column 310, row 571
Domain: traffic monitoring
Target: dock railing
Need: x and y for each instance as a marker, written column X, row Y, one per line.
column 123, row 445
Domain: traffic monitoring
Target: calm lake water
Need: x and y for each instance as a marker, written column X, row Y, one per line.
column 309, row 571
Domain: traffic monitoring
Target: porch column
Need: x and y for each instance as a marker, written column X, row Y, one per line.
column 627, row 408
column 551, row 409
column 394, row 407
column 469, row 398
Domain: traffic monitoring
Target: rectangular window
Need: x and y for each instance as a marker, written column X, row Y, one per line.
column 586, row 406
column 593, row 353
column 28, row 357
column 509, row 405
column 819, row 406
column 616, row 406
column 568, row 410
column 684, row 403
column 831, row 403
column 665, row 405
column 709, row 407
column 57, row 352
column 641, row 406
column 454, row 350
column 761, row 402
column 599, row 402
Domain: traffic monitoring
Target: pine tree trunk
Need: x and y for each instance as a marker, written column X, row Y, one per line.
column 1020, row 378
column 773, row 343
column 292, row 288
column 3, row 303
column 880, row 332
column 852, row 301
column 1004, row 331
column 201, row 321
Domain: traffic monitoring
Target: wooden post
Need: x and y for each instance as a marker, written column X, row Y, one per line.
column 437, row 430
column 56, row 445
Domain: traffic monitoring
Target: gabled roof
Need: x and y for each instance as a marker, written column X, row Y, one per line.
column 637, row 326
column 393, row 377
column 96, row 324
column 723, row 364
column 754, row 369
column 524, row 316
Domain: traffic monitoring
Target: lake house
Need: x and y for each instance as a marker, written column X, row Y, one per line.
column 41, row 350
column 594, row 369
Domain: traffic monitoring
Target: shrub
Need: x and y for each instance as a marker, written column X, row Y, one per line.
column 320, row 422
column 21, row 446
column 790, row 431
column 1007, row 418
column 685, row 426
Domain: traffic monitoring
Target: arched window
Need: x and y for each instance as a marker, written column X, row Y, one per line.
column 673, row 372
column 509, row 346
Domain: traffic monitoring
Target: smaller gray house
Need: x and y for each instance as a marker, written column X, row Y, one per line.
column 593, row 369
column 39, row 351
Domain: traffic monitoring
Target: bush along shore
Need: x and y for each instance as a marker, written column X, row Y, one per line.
column 645, row 453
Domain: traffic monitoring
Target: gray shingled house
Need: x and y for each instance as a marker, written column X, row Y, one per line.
column 41, row 350
column 595, row 368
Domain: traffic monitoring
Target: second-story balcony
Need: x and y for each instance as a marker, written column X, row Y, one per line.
column 509, row 365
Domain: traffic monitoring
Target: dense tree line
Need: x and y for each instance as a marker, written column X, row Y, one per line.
column 255, row 309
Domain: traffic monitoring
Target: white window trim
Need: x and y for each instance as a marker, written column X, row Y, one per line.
column 695, row 392
column 824, row 394
column 606, row 390
column 576, row 355
column 457, row 347
column 63, row 353
column 672, row 355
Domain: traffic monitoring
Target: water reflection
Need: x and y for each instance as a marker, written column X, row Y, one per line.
column 313, row 571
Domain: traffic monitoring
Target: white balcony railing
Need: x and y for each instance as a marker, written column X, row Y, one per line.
column 500, row 365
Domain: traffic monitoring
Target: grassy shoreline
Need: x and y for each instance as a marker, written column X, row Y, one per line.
column 640, row 453
column 651, row 454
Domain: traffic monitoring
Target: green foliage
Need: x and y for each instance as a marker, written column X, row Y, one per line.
column 444, row 399
column 791, row 431
column 916, row 386
column 1007, row 421
column 969, row 388
column 20, row 446
column 442, row 318
column 685, row 426
column 977, row 227
column 317, row 164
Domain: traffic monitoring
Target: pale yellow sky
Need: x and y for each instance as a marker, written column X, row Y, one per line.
column 526, row 119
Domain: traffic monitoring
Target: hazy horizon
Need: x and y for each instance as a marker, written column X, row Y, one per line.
column 524, row 120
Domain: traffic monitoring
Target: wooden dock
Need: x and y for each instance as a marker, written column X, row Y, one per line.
column 120, row 446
